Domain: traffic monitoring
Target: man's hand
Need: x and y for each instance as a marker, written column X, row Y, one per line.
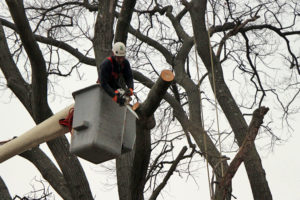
column 129, row 92
column 120, row 99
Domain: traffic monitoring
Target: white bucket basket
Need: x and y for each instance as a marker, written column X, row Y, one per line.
column 100, row 131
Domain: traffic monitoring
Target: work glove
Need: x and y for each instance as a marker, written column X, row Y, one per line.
column 129, row 92
column 119, row 99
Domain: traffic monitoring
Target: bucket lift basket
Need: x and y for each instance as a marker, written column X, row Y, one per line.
column 102, row 129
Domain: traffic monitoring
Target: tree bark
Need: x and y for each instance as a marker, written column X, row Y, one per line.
column 124, row 20
column 141, row 157
column 104, row 31
column 13, row 76
column 124, row 164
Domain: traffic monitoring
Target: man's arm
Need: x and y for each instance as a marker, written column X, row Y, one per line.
column 128, row 75
column 105, row 74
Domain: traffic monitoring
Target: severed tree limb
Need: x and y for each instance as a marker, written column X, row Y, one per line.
column 156, row 94
column 194, row 129
column 169, row 174
column 4, row 193
column 49, row 171
column 254, row 126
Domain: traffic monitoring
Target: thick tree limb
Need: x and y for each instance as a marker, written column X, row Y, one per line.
column 38, row 64
column 157, row 93
column 245, row 148
column 40, row 110
column 124, row 20
column 71, row 169
column 104, row 30
column 13, row 76
column 176, row 24
column 4, row 193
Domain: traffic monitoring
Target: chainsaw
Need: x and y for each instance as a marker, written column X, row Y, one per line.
column 127, row 100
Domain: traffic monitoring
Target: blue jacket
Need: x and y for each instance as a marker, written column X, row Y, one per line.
column 109, row 75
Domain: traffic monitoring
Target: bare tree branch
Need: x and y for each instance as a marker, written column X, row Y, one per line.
column 248, row 143
column 169, row 174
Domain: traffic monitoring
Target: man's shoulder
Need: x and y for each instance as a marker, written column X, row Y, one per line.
column 106, row 63
column 126, row 62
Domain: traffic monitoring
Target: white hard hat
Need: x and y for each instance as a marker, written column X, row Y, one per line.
column 119, row 49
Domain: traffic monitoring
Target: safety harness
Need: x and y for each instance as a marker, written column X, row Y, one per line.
column 114, row 74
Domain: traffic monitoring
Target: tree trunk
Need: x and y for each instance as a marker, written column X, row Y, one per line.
column 124, row 20
column 141, row 157
column 124, row 165
column 104, row 31
column 142, row 151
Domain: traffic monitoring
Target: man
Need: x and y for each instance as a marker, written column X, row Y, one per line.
column 112, row 69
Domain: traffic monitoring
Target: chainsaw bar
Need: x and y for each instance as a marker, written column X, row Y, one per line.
column 132, row 111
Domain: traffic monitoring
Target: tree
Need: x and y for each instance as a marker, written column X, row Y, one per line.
column 237, row 37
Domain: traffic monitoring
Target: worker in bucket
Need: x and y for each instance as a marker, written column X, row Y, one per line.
column 110, row 73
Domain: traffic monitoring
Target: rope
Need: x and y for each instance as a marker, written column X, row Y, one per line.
column 216, row 108
column 215, row 97
column 202, row 121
